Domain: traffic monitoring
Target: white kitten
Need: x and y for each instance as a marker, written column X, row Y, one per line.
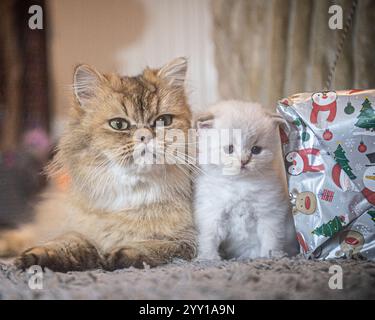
column 241, row 203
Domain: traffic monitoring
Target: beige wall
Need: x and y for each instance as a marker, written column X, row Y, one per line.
column 126, row 35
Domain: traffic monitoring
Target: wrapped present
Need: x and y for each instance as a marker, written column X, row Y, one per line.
column 329, row 152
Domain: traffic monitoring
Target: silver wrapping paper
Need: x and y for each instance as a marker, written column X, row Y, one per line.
column 329, row 152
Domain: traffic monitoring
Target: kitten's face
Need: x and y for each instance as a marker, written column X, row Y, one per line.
column 114, row 120
column 252, row 147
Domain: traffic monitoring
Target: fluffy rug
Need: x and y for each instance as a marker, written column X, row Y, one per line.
column 257, row 279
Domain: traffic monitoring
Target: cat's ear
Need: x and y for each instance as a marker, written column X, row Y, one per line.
column 277, row 119
column 174, row 72
column 85, row 83
column 205, row 121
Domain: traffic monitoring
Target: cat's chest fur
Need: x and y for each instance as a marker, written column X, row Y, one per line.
column 236, row 198
column 126, row 208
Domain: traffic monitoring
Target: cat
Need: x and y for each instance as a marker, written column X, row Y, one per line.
column 241, row 204
column 118, row 211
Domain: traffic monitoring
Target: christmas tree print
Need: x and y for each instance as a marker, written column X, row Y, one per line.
column 330, row 228
column 366, row 117
column 343, row 161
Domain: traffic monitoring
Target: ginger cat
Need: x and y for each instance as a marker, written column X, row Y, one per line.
column 117, row 212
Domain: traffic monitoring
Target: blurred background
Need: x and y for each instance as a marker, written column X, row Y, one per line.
column 259, row 50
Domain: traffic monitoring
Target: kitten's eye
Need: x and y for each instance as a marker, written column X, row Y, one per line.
column 256, row 150
column 228, row 149
column 165, row 118
column 119, row 124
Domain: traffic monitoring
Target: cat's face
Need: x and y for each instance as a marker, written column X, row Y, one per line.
column 114, row 119
column 251, row 147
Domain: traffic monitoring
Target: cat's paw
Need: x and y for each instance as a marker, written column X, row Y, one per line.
column 41, row 256
column 5, row 250
column 10, row 246
column 126, row 257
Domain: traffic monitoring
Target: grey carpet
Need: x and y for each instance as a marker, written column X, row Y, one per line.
column 257, row 279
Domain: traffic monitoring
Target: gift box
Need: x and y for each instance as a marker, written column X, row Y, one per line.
column 328, row 147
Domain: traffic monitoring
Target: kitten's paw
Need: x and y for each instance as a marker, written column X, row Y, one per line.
column 126, row 257
column 208, row 256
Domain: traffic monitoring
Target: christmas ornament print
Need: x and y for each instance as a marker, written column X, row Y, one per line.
column 327, row 135
column 349, row 109
column 362, row 147
column 305, row 136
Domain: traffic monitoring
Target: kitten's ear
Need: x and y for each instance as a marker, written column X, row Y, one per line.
column 174, row 72
column 85, row 83
column 205, row 121
column 277, row 119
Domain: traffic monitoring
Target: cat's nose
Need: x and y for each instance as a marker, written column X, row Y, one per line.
column 143, row 135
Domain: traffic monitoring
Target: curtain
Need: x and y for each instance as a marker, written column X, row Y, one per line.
column 24, row 91
column 266, row 50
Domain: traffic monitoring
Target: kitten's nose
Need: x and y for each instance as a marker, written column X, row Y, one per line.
column 245, row 161
column 143, row 135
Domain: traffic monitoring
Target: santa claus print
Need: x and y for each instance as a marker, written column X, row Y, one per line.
column 323, row 102
column 302, row 161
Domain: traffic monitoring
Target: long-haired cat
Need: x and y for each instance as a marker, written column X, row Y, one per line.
column 119, row 211
column 241, row 203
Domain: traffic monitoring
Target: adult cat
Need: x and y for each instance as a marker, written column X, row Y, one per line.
column 119, row 211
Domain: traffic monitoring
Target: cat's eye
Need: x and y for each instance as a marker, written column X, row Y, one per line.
column 228, row 149
column 119, row 124
column 256, row 150
column 166, row 120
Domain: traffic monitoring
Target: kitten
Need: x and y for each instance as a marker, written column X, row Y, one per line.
column 241, row 204
column 119, row 211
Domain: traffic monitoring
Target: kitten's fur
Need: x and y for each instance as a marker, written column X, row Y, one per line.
column 245, row 215
column 116, row 213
